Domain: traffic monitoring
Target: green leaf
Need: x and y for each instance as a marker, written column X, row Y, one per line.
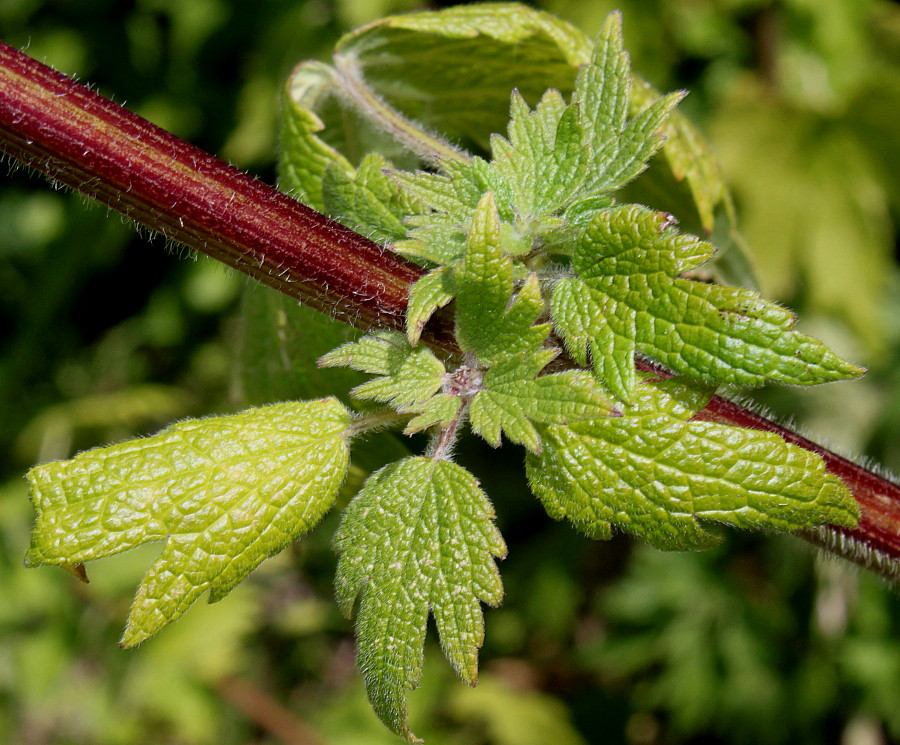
column 514, row 397
column 452, row 70
column 441, row 409
column 620, row 147
column 488, row 324
column 418, row 538
column 426, row 296
column 304, row 156
column 543, row 159
column 656, row 474
column 222, row 493
column 407, row 375
column 367, row 202
column 628, row 297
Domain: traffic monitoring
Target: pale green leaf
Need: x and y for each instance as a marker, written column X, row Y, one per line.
column 513, row 397
column 407, row 374
column 431, row 292
column 656, row 474
column 418, row 539
column 451, row 69
column 441, row 409
column 222, row 493
column 488, row 324
column 305, row 156
column 628, row 261
column 620, row 147
column 367, row 202
column 543, row 160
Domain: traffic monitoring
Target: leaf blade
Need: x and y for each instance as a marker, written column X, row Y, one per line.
column 224, row 493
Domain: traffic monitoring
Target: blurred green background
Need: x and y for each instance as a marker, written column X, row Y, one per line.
column 106, row 334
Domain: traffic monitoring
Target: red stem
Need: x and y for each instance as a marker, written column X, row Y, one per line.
column 81, row 139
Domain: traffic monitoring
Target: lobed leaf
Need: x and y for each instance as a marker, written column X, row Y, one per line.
column 407, row 375
column 431, row 292
column 490, row 321
column 543, row 160
column 418, row 539
column 619, row 147
column 658, row 475
column 367, row 201
column 514, row 397
column 222, row 493
column 628, row 298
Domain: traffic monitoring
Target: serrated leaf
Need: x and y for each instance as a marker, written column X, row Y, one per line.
column 407, row 375
column 305, row 156
column 451, row 70
column 620, row 148
column 543, row 160
column 656, row 474
column 418, row 539
column 513, row 398
column 223, row 493
column 489, row 324
column 628, row 261
column 441, row 409
column 367, row 201
column 431, row 292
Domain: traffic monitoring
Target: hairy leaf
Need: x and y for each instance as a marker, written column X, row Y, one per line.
column 431, row 292
column 418, row 539
column 222, row 493
column 656, row 474
column 628, row 297
column 489, row 324
column 408, row 375
column 514, row 397
column 619, row 147
column 543, row 159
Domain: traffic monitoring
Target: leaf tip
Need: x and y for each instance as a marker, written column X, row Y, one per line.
column 78, row 571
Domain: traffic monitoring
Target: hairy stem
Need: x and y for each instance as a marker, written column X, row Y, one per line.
column 427, row 146
column 78, row 138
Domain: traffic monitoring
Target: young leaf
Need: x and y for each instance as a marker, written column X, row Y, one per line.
column 431, row 292
column 656, row 474
column 369, row 202
column 441, row 410
column 223, row 493
column 418, row 538
column 628, row 297
column 543, row 159
column 488, row 324
column 407, row 375
column 620, row 147
column 304, row 156
column 514, row 397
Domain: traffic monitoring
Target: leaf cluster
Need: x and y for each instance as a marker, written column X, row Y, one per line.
column 538, row 260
